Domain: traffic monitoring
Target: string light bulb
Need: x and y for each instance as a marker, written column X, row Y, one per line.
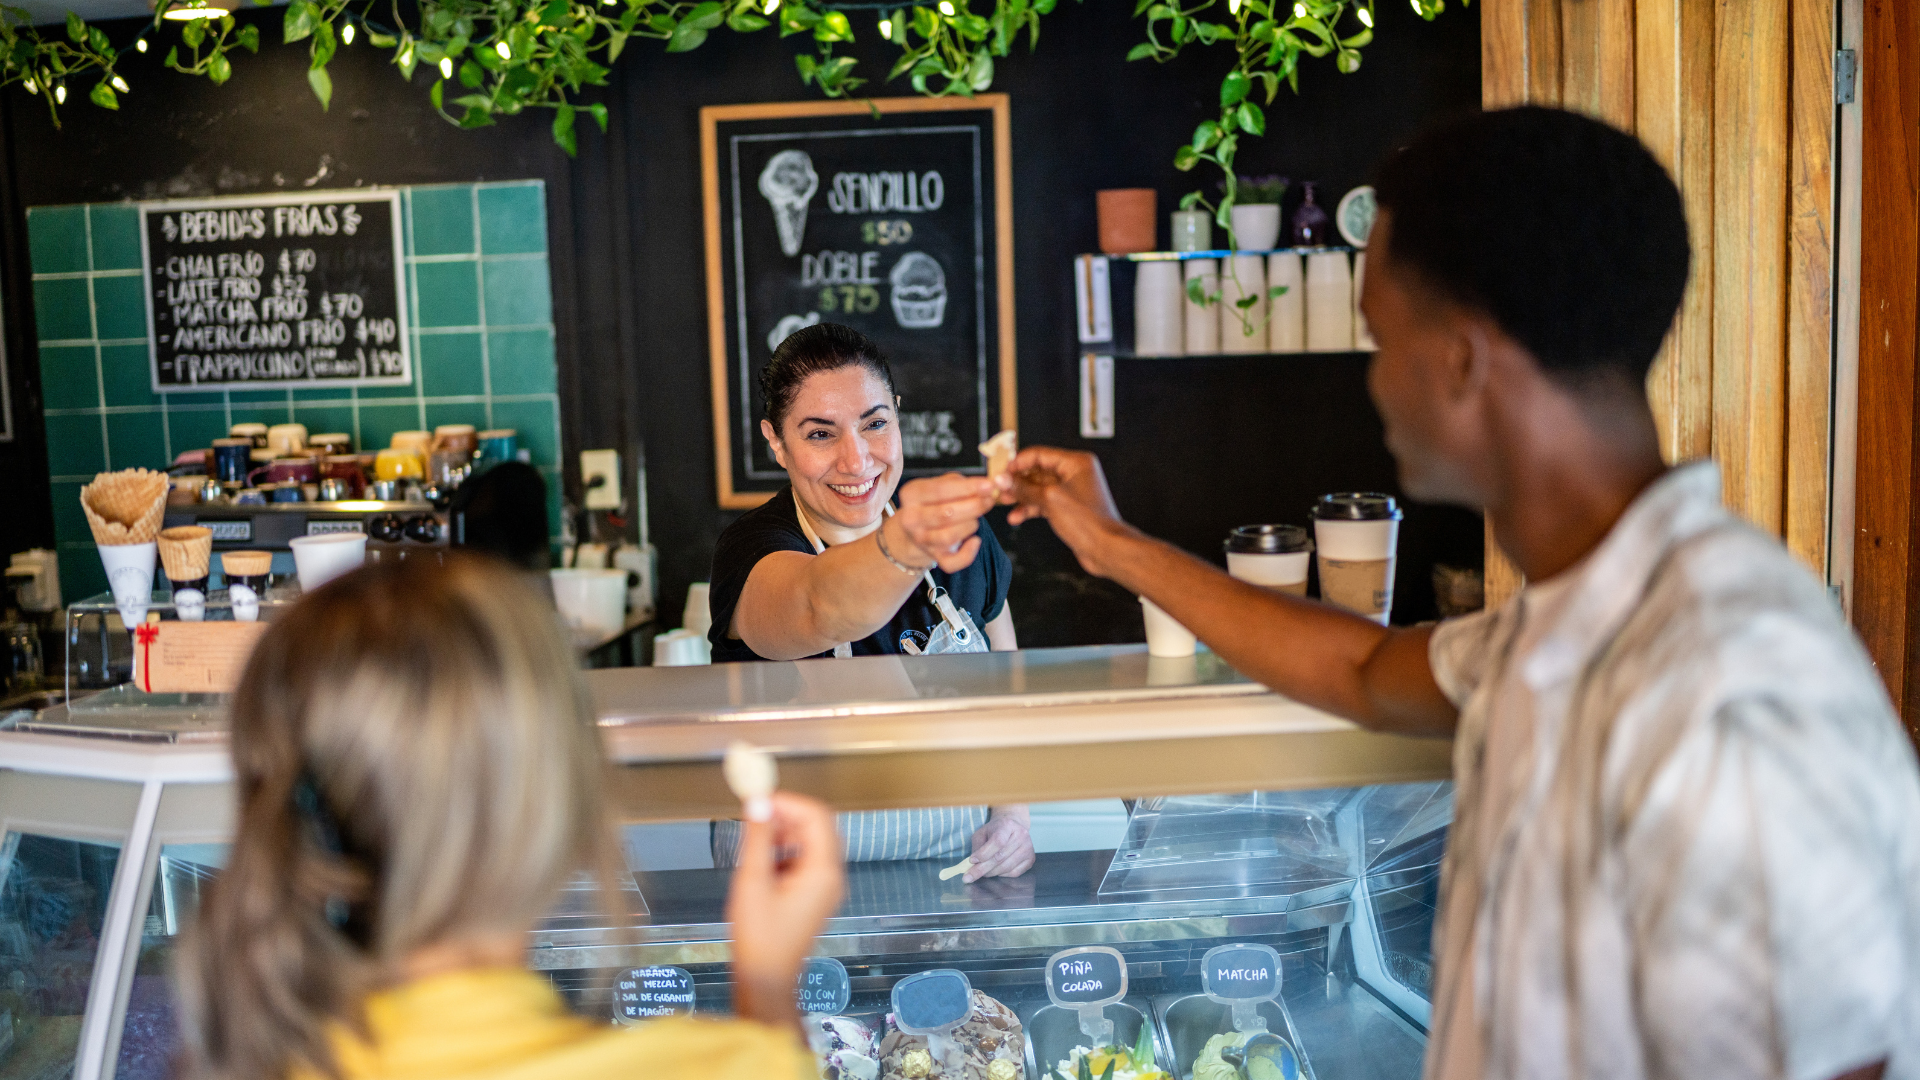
column 60, row 94
column 1418, row 10
column 141, row 44
column 502, row 48
column 120, row 84
column 772, row 6
column 32, row 87
column 446, row 67
column 1299, row 11
column 886, row 28
column 946, row 8
column 1366, row 18
column 346, row 34
column 1233, row 7
column 406, row 55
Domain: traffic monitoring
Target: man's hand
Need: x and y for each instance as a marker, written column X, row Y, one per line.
column 1003, row 847
column 1067, row 488
column 939, row 518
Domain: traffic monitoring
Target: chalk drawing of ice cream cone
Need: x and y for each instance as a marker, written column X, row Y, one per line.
column 788, row 182
column 919, row 291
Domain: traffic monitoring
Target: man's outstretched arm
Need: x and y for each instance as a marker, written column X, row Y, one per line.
column 1318, row 655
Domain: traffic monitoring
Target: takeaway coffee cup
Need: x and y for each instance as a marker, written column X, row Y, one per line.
column 1356, row 533
column 593, row 603
column 232, row 460
column 1274, row 556
column 1165, row 637
column 320, row 559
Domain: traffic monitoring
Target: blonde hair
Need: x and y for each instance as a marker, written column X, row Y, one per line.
column 416, row 762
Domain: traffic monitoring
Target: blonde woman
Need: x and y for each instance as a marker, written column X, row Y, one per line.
column 418, row 775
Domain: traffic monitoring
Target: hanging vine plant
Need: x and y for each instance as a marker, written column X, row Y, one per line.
column 494, row 58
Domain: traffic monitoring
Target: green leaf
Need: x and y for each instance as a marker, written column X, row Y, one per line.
column 97, row 38
column 616, row 42
column 708, row 15
column 322, row 84
column 834, row 26
column 219, row 69
column 926, row 22
column 1348, row 61
column 1360, row 40
column 103, row 96
column 1251, row 119
column 298, row 22
column 173, row 57
column 980, row 73
column 76, row 29
column 1186, row 158
column 472, row 74
column 555, row 13
column 971, row 26
column 192, row 34
column 1205, row 136
column 599, row 114
column 745, row 22
column 250, row 38
column 1276, row 291
column 686, row 36
column 380, row 40
column 1233, row 89
column 1140, row 51
column 563, row 129
column 807, row 68
column 438, row 92
column 476, row 117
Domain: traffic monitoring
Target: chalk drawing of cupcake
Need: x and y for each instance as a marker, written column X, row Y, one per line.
column 919, row 291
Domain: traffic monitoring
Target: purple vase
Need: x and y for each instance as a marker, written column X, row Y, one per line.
column 1311, row 225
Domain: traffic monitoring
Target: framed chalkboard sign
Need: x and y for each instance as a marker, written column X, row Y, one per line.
column 893, row 216
column 273, row 291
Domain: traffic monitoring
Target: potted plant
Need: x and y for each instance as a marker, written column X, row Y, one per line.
column 1256, row 212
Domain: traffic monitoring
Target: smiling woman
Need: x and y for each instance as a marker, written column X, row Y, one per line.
column 828, row 567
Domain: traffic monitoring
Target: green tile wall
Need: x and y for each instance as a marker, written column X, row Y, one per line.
column 477, row 286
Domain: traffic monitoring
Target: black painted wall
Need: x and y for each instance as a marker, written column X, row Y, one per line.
column 1202, row 444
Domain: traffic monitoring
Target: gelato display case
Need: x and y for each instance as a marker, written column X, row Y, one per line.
column 1254, row 827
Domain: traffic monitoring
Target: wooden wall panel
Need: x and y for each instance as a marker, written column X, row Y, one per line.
column 1750, row 155
column 1883, row 572
column 1673, row 88
column 1810, row 282
column 1735, row 98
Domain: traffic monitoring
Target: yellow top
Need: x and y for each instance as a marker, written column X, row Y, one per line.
column 509, row 1024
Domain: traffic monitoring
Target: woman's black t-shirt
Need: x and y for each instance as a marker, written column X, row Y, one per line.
column 980, row 589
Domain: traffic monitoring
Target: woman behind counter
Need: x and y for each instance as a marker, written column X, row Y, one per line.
column 418, row 775
column 827, row 568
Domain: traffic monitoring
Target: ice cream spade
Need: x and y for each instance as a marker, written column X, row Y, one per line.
column 752, row 774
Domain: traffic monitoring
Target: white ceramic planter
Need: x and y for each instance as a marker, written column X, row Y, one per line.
column 1256, row 226
column 1192, row 230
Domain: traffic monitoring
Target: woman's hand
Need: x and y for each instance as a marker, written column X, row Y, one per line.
column 939, row 517
column 1003, row 847
column 790, row 878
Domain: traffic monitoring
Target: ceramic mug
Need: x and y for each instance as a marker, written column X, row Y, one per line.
column 289, row 470
column 397, row 463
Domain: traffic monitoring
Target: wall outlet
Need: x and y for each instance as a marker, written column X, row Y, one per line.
column 600, row 479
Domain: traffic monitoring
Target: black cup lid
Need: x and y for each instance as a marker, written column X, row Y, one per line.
column 1268, row 540
column 1356, row 506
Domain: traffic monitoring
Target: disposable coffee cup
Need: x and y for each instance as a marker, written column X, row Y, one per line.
column 1357, row 533
column 1273, row 556
column 1165, row 637
column 320, row 559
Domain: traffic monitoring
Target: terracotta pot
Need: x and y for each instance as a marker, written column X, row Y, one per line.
column 1126, row 219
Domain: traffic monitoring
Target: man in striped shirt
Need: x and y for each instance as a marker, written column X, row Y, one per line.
column 1687, row 840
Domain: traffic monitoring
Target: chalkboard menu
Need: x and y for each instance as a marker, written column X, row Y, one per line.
column 276, row 291
column 647, row 993
column 895, row 220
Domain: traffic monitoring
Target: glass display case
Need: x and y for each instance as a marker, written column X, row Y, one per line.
column 1325, row 847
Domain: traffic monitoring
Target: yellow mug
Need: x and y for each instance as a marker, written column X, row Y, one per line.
column 392, row 464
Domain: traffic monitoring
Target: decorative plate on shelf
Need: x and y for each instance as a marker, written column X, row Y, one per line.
column 1355, row 215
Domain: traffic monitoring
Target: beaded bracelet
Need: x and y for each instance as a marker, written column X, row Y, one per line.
column 880, row 537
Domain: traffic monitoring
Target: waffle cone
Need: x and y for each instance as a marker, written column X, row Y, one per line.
column 245, row 563
column 125, row 507
column 186, row 551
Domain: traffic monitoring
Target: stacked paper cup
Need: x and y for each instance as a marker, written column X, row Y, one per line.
column 1362, row 339
column 1243, row 329
column 1203, row 324
column 1287, row 325
column 1158, row 329
column 124, row 510
column 1329, row 302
